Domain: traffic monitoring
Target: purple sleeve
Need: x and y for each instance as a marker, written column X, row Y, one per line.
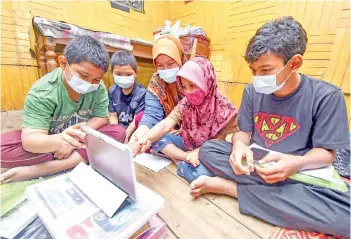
column 141, row 105
column 111, row 92
column 153, row 111
column 245, row 114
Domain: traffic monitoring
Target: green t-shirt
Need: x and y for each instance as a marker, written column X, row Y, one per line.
column 48, row 106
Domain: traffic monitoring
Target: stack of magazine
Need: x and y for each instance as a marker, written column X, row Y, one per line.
column 67, row 212
column 16, row 211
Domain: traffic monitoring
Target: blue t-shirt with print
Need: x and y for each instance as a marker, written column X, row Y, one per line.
column 126, row 106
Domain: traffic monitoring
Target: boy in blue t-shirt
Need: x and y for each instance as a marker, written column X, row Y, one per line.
column 303, row 118
column 126, row 97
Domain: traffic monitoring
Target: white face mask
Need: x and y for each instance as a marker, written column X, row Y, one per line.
column 80, row 86
column 268, row 84
column 169, row 75
column 124, row 81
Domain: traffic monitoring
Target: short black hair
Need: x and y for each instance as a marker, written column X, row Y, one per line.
column 283, row 36
column 86, row 48
column 123, row 58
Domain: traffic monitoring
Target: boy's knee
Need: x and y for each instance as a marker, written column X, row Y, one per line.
column 115, row 131
column 208, row 149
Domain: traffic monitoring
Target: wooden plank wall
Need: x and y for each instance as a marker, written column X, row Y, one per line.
column 19, row 69
column 230, row 25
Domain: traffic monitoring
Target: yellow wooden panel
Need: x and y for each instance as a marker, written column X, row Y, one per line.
column 8, row 54
column 10, row 48
column 22, row 36
column 22, row 29
column 28, row 62
column 294, row 8
column 222, row 87
column 145, row 73
column 335, row 14
column 20, row 6
column 253, row 27
column 50, row 16
column 218, row 75
column 249, row 15
column 346, row 80
column 336, row 51
column 6, row 5
column 44, row 7
column 6, row 100
column 316, row 63
column 235, row 93
column 33, row 74
column 7, row 34
column 344, row 22
column 316, row 55
column 23, row 48
column 217, row 65
column 7, row 27
column 345, row 13
column 22, row 15
column 9, row 61
column 343, row 60
column 317, row 15
column 23, row 42
column 7, row 20
column 6, row 13
column 240, row 4
column 258, row 19
column 15, row 86
column 25, row 79
column 317, row 72
column 106, row 80
column 252, row 8
column 22, row 22
column 321, row 39
column 25, row 55
column 325, row 16
column 8, row 41
column 286, row 8
column 216, row 56
column 318, row 48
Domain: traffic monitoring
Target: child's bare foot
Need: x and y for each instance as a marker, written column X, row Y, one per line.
column 135, row 147
column 3, row 170
column 205, row 184
column 17, row 174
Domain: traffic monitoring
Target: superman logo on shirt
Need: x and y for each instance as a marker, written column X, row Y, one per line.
column 274, row 128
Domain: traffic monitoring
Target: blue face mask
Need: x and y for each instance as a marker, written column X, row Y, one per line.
column 124, row 81
column 169, row 75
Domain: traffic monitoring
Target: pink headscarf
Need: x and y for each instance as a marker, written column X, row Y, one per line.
column 203, row 122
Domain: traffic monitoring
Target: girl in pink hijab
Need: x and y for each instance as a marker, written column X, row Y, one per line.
column 204, row 114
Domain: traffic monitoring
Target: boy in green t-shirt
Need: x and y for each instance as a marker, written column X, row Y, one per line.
column 55, row 108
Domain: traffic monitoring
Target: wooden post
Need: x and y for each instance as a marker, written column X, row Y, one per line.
column 193, row 51
column 40, row 51
column 50, row 54
column 42, row 62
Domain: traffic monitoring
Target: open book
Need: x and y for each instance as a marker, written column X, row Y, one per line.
column 67, row 212
column 326, row 177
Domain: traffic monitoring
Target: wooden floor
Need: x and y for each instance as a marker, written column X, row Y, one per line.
column 210, row 216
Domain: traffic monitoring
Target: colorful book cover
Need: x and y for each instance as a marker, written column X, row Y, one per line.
column 12, row 194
